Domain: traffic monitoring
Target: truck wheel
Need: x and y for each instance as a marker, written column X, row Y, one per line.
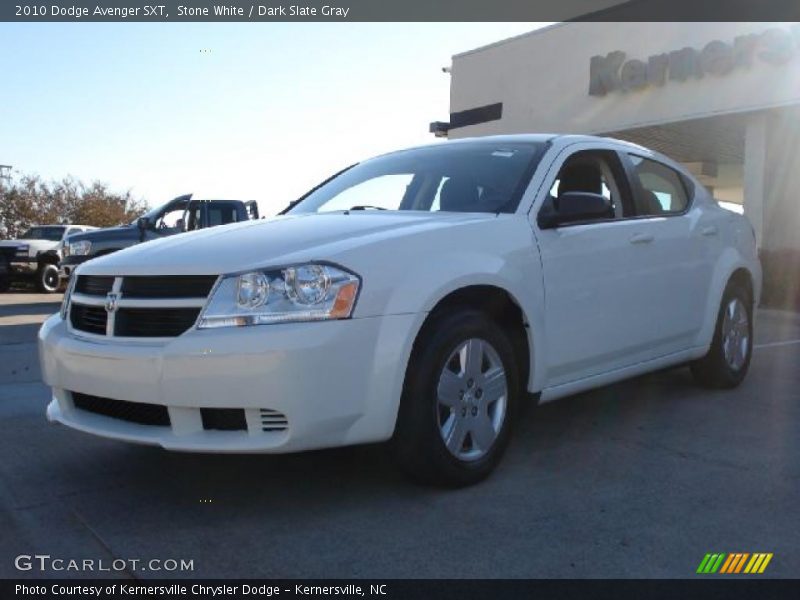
column 459, row 400
column 728, row 359
column 47, row 280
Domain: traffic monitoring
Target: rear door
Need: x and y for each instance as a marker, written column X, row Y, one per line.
column 678, row 246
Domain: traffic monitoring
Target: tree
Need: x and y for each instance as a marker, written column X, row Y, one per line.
column 31, row 201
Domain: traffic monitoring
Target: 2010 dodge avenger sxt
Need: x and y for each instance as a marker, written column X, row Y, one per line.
column 420, row 296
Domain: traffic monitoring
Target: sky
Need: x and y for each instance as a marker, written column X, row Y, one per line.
column 260, row 111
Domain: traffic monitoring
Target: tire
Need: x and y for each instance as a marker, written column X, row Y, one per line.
column 733, row 332
column 47, row 280
column 467, row 403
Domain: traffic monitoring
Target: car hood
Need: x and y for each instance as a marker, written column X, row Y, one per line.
column 273, row 242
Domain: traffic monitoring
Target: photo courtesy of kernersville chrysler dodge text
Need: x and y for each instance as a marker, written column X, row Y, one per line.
column 421, row 298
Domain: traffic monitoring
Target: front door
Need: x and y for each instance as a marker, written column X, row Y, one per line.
column 595, row 274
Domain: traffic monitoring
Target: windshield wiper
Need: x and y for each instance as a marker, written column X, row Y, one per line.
column 366, row 207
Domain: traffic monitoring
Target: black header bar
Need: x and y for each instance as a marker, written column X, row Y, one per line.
column 398, row 10
column 705, row 588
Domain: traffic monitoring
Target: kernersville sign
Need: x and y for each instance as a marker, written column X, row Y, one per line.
column 613, row 72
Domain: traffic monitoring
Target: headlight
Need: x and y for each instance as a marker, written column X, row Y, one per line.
column 80, row 248
column 310, row 292
column 67, row 295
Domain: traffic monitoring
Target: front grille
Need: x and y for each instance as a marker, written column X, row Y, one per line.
column 142, row 307
column 172, row 286
column 154, row 322
column 224, row 419
column 272, row 420
column 94, row 285
column 133, row 412
column 91, row 319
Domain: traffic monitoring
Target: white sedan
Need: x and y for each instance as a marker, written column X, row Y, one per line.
column 418, row 297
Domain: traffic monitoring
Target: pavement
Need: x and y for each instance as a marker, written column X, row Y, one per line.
column 637, row 479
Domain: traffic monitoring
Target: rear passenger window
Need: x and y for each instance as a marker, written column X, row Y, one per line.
column 662, row 190
column 222, row 215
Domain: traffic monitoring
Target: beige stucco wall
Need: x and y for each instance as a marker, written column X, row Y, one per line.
column 542, row 79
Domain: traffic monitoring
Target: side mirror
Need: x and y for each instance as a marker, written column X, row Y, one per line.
column 575, row 207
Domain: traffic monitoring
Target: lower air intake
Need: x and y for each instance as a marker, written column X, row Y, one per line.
column 133, row 412
column 224, row 419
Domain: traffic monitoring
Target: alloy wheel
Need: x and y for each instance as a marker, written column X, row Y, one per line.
column 472, row 396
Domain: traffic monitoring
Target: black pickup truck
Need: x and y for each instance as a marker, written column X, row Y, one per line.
column 176, row 216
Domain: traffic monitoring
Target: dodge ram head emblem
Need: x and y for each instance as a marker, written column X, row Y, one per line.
column 112, row 301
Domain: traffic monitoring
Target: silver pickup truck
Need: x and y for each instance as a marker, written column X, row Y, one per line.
column 35, row 256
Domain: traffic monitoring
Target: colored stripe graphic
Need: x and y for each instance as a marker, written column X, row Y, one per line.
column 734, row 563
column 727, row 564
column 710, row 563
column 764, row 564
column 703, row 563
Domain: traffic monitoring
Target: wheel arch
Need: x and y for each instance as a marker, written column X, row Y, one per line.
column 731, row 268
column 501, row 305
column 47, row 258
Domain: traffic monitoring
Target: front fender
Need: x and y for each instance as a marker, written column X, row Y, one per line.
column 420, row 290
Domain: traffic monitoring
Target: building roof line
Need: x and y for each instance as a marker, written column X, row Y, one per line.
column 513, row 38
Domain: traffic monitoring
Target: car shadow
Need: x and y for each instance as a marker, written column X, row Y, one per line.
column 30, row 308
column 302, row 482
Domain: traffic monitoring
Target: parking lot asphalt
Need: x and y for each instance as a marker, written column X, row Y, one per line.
column 638, row 479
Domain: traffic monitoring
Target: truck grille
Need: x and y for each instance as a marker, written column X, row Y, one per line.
column 133, row 412
column 138, row 306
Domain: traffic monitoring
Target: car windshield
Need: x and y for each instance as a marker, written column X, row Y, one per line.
column 52, row 234
column 480, row 176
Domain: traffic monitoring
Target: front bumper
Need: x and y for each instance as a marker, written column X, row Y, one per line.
column 337, row 382
column 22, row 266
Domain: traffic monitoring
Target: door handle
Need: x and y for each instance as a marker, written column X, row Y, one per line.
column 641, row 238
column 710, row 230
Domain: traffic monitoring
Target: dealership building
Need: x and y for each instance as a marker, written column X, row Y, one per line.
column 721, row 98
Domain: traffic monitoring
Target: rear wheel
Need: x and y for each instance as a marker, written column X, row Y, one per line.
column 459, row 400
column 728, row 359
column 47, row 280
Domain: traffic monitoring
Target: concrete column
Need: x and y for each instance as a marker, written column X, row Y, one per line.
column 755, row 164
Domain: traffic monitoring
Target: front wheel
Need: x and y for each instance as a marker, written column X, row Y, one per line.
column 728, row 359
column 459, row 399
column 47, row 280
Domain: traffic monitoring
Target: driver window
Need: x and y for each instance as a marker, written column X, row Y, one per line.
column 594, row 171
column 172, row 219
